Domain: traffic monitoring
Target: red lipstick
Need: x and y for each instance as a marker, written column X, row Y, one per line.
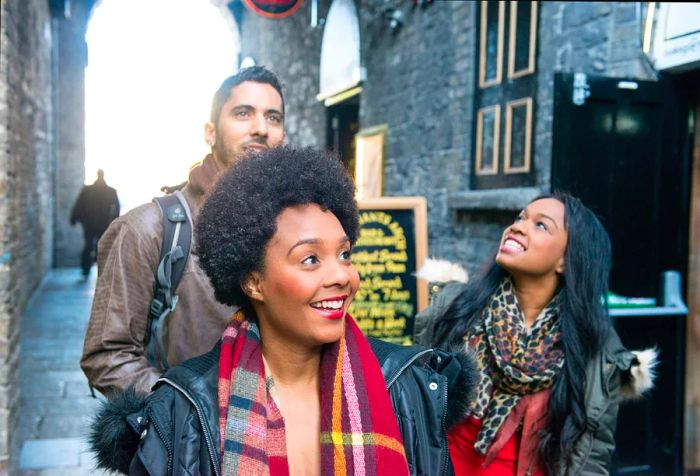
column 331, row 313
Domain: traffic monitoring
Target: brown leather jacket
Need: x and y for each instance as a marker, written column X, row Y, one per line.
column 128, row 254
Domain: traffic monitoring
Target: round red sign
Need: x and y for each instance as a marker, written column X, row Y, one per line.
column 273, row 8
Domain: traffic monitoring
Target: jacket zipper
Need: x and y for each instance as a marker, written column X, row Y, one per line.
column 398, row 373
column 445, row 458
column 202, row 422
column 164, row 440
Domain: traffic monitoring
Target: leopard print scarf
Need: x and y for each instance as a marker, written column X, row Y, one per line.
column 514, row 360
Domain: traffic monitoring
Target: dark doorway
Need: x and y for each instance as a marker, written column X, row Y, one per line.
column 623, row 147
column 625, row 153
column 341, row 127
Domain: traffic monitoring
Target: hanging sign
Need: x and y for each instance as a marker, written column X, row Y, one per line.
column 672, row 36
column 275, row 9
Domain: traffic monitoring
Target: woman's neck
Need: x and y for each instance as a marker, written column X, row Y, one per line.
column 296, row 373
column 533, row 294
column 290, row 366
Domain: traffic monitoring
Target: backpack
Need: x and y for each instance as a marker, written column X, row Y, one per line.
column 174, row 251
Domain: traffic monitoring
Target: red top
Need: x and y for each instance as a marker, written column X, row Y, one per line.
column 506, row 456
column 467, row 461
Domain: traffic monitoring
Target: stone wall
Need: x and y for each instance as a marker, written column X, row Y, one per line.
column 602, row 38
column 599, row 38
column 292, row 49
column 26, row 185
column 70, row 58
column 420, row 82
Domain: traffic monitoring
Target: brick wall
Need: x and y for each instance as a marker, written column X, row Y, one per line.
column 26, row 185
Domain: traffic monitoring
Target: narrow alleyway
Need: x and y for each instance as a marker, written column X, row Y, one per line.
column 55, row 403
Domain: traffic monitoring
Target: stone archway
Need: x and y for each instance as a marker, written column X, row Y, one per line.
column 70, row 120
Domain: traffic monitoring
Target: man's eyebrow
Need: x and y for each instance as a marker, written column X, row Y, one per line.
column 249, row 107
column 274, row 111
column 313, row 241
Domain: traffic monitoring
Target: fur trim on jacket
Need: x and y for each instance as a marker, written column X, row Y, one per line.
column 642, row 374
column 442, row 271
column 115, row 430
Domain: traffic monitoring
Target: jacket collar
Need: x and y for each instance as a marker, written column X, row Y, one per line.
column 201, row 181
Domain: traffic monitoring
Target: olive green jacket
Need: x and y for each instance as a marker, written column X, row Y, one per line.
column 604, row 388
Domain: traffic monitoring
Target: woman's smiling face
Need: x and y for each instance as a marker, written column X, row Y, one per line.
column 535, row 243
column 303, row 292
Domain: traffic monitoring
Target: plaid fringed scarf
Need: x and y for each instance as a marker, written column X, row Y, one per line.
column 356, row 438
column 514, row 360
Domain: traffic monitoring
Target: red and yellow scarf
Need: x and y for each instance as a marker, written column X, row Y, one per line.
column 356, row 438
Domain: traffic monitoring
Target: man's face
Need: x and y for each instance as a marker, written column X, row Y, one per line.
column 251, row 120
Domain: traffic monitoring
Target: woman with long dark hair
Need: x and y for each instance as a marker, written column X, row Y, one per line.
column 552, row 366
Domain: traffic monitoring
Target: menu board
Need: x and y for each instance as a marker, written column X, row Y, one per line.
column 390, row 249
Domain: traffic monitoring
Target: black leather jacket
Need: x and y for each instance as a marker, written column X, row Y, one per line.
column 178, row 422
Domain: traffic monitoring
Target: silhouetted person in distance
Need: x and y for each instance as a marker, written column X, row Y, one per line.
column 96, row 207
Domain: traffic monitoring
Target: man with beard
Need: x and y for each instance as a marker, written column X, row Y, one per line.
column 247, row 115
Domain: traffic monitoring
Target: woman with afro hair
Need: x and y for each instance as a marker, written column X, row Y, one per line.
column 293, row 387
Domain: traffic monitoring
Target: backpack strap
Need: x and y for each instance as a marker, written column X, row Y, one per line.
column 174, row 251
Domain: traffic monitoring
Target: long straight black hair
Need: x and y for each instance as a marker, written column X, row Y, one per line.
column 584, row 323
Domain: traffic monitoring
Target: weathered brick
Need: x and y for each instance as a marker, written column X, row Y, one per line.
column 26, row 185
column 625, row 11
column 593, row 33
column 579, row 13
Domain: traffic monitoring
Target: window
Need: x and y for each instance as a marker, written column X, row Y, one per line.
column 504, row 97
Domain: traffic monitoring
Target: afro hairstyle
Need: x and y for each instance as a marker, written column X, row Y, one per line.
column 239, row 218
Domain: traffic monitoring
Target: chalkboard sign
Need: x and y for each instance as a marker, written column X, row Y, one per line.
column 392, row 246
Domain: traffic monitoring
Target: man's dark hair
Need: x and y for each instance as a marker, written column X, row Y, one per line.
column 258, row 74
column 240, row 216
